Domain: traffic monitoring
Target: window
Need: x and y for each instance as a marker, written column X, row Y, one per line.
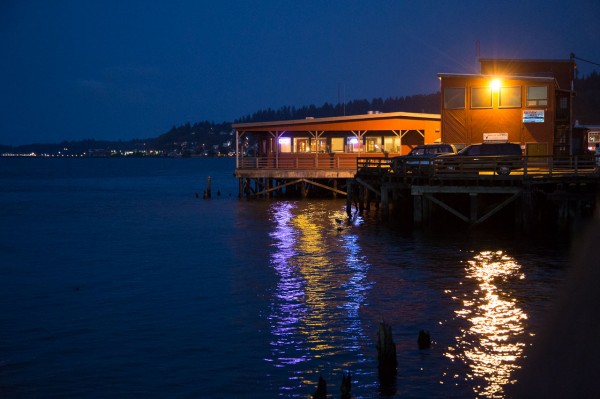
column 285, row 144
column 537, row 96
column 510, row 97
column 391, row 144
column 353, row 145
column 481, row 97
column 319, row 145
column 373, row 144
column 454, row 98
column 301, row 144
column 337, row 144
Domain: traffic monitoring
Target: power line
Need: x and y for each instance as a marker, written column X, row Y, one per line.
column 581, row 59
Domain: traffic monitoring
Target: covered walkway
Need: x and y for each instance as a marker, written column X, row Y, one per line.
column 323, row 152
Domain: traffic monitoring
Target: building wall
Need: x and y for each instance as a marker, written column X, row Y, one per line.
column 469, row 123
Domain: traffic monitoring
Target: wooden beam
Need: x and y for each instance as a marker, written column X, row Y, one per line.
column 367, row 185
column 279, row 186
column 453, row 211
column 314, row 183
column 498, row 207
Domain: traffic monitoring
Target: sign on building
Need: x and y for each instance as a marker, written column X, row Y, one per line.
column 533, row 116
column 495, row 137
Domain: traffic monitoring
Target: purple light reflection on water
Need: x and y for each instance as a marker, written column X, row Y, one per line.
column 322, row 286
column 289, row 308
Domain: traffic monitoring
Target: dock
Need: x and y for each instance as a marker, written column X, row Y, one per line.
column 562, row 189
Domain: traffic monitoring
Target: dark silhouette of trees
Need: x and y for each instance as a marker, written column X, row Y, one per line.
column 428, row 103
column 205, row 135
column 587, row 99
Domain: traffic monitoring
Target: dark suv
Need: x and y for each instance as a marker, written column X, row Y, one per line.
column 419, row 158
column 498, row 157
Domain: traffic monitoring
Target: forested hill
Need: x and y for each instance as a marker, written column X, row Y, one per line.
column 217, row 137
column 586, row 110
column 587, row 99
column 426, row 103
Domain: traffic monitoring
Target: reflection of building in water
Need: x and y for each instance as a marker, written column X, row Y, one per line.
column 321, row 285
column 494, row 342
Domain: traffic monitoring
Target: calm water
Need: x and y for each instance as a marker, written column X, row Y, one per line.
column 116, row 281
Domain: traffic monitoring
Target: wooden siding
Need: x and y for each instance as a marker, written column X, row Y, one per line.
column 467, row 126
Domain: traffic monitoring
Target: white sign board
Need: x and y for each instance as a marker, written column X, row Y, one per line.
column 533, row 116
column 495, row 137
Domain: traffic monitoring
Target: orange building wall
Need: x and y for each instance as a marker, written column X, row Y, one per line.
column 467, row 126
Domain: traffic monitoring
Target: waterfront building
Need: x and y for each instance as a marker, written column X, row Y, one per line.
column 323, row 152
column 521, row 101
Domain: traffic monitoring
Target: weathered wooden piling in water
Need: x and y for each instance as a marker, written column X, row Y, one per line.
column 386, row 351
column 346, row 386
column 321, row 392
column 424, row 340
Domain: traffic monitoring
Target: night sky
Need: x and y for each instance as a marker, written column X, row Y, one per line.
column 73, row 70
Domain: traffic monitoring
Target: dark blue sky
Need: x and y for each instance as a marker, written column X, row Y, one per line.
column 119, row 69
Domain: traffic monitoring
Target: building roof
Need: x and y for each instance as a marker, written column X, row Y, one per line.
column 525, row 60
column 548, row 79
column 562, row 70
column 374, row 121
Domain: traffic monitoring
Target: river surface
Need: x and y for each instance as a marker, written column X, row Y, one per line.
column 117, row 279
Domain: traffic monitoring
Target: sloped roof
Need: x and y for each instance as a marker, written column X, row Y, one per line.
column 374, row 121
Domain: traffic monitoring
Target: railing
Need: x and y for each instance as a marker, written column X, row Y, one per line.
column 301, row 161
column 464, row 166
column 378, row 163
column 440, row 166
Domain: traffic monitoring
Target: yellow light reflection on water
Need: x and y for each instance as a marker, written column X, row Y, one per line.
column 493, row 341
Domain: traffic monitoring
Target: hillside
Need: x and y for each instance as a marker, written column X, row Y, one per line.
column 210, row 138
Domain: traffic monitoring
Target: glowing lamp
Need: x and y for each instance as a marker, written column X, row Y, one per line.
column 495, row 85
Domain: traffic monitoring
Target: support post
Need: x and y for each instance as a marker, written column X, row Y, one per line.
column 385, row 200
column 349, row 191
column 335, row 187
column 361, row 198
column 472, row 208
column 418, row 210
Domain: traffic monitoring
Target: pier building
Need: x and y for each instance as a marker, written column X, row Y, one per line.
column 322, row 153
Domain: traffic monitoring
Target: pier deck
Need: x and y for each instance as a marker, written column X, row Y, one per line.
column 566, row 188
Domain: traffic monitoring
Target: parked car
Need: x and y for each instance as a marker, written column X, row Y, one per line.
column 498, row 157
column 419, row 158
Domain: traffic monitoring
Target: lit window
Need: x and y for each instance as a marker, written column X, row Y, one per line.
column 285, row 144
column 510, row 97
column 301, row 145
column 481, row 97
column 337, row 144
column 454, row 98
column 353, row 145
column 318, row 145
column 537, row 96
column 373, row 144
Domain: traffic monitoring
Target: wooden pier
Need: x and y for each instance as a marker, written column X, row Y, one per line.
column 563, row 190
